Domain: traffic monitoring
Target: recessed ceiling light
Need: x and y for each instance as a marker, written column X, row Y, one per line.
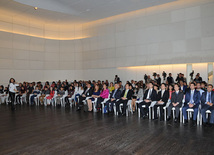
column 35, row 8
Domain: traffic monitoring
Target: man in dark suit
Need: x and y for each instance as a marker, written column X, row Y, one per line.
column 176, row 101
column 182, row 86
column 150, row 95
column 158, row 80
column 162, row 99
column 170, row 79
column 207, row 101
column 116, row 94
column 87, row 92
column 192, row 100
column 125, row 96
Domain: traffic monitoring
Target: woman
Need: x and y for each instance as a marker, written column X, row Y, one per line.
column 111, row 87
column 12, row 91
column 138, row 95
column 35, row 93
column 103, row 95
column 51, row 95
column 171, row 90
column 21, row 93
column 70, row 94
column 78, row 91
column 96, row 94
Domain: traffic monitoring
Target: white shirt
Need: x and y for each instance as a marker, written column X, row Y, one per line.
column 162, row 92
column 12, row 87
column 149, row 92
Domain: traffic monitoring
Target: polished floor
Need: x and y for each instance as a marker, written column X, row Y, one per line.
column 49, row 130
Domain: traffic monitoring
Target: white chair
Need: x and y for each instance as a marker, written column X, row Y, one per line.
column 144, row 106
column 103, row 103
column 207, row 113
column 62, row 99
column 190, row 111
column 165, row 108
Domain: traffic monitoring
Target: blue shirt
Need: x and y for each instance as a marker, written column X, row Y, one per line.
column 207, row 97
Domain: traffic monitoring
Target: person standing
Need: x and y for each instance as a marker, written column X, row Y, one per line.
column 12, row 91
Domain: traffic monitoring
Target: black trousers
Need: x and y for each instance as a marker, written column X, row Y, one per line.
column 18, row 99
column 112, row 104
column 81, row 98
column 144, row 111
column 12, row 98
column 161, row 110
column 99, row 100
column 67, row 100
column 124, row 102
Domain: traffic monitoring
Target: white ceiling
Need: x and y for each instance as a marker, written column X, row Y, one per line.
column 77, row 10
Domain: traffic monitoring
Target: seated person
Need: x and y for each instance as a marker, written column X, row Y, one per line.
column 51, row 95
column 207, row 101
column 176, row 101
column 87, row 93
column 95, row 94
column 21, row 93
column 60, row 94
column 70, row 94
column 192, row 100
column 182, row 86
column 150, row 95
column 162, row 99
column 111, row 87
column 137, row 95
column 35, row 93
column 30, row 89
column 125, row 96
column 115, row 95
column 103, row 95
column 45, row 92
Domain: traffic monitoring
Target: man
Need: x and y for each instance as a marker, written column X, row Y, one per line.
column 88, row 92
column 192, row 100
column 207, row 101
column 158, row 80
column 60, row 94
column 170, row 79
column 176, row 101
column 116, row 93
column 29, row 91
column 125, row 96
column 198, row 88
column 179, row 78
column 162, row 99
column 45, row 92
column 182, row 87
column 150, row 95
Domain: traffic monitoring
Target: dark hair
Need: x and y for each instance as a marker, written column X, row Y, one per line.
column 210, row 85
column 192, row 83
column 11, row 79
column 163, row 84
column 176, row 84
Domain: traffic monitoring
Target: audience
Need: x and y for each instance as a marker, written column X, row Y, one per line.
column 179, row 95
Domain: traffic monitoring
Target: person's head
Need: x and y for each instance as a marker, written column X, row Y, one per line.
column 116, row 76
column 104, row 86
column 130, row 87
column 181, row 83
column 127, row 86
column 209, row 87
column 116, row 85
column 1, row 87
column 61, row 88
column 158, row 75
column 137, row 86
column 171, row 87
column 198, row 85
column 155, row 87
column 192, row 86
column 198, row 74
column 30, row 84
column 150, row 85
column 176, row 87
column 111, row 84
column 37, row 88
column 96, row 87
column 163, row 86
column 170, row 74
column 88, row 85
column 12, row 80
column 148, row 76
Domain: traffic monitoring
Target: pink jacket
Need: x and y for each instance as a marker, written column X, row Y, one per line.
column 104, row 93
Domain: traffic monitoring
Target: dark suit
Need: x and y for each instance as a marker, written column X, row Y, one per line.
column 116, row 96
column 174, row 99
column 163, row 98
column 124, row 102
column 152, row 97
column 184, row 89
column 196, row 99
column 87, row 92
column 206, row 107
